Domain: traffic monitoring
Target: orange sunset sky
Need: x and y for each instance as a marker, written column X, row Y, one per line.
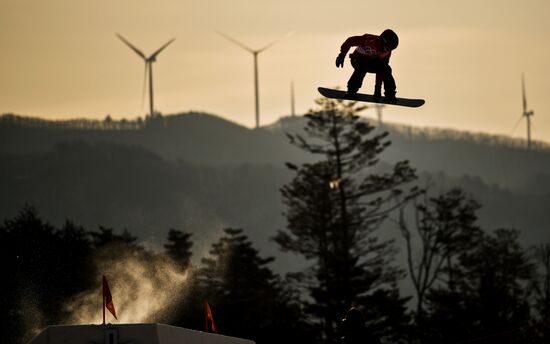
column 61, row 59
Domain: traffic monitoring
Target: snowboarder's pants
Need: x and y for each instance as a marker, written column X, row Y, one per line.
column 363, row 66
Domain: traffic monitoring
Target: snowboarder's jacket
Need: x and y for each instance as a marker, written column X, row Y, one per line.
column 368, row 47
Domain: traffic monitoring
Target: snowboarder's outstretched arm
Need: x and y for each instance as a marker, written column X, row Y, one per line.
column 352, row 41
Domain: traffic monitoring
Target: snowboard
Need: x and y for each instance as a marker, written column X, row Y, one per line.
column 339, row 94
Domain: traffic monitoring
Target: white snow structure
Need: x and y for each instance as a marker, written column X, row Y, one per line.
column 130, row 334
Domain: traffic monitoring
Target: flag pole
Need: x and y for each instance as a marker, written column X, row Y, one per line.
column 205, row 316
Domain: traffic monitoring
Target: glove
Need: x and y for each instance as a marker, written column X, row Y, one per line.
column 340, row 60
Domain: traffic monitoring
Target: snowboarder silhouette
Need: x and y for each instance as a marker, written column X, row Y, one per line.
column 372, row 55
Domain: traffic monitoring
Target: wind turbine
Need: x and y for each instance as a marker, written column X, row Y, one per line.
column 525, row 114
column 148, row 65
column 292, row 103
column 379, row 108
column 255, row 53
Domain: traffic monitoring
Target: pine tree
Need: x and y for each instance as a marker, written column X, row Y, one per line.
column 178, row 247
column 541, row 286
column 489, row 297
column 247, row 299
column 334, row 208
column 45, row 267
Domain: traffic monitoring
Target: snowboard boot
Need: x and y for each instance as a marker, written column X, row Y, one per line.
column 377, row 92
column 390, row 97
column 352, row 91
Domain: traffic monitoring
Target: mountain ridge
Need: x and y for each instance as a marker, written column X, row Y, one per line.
column 201, row 173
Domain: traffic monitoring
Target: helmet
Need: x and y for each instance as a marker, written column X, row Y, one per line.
column 389, row 39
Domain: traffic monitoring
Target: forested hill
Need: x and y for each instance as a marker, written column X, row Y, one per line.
column 193, row 137
column 491, row 158
column 204, row 139
column 201, row 173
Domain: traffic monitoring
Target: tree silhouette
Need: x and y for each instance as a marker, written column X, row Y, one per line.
column 542, row 281
column 541, row 287
column 44, row 267
column 489, row 297
column 105, row 240
column 335, row 206
column 187, row 310
column 247, row 298
column 178, row 247
column 445, row 228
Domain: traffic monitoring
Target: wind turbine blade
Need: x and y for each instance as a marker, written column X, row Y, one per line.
column 144, row 85
column 268, row 46
column 273, row 43
column 137, row 51
column 523, row 94
column 154, row 55
column 516, row 125
column 231, row 39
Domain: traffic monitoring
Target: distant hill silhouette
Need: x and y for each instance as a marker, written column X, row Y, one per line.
column 200, row 138
column 201, row 173
column 192, row 137
column 128, row 187
column 494, row 159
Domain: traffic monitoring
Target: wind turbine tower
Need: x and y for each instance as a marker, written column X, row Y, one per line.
column 148, row 65
column 379, row 108
column 255, row 53
column 292, row 102
column 526, row 113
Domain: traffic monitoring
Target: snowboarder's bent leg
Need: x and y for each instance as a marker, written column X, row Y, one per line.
column 389, row 82
column 377, row 88
column 356, row 80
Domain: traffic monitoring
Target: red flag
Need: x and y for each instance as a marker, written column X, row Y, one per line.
column 208, row 317
column 107, row 299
